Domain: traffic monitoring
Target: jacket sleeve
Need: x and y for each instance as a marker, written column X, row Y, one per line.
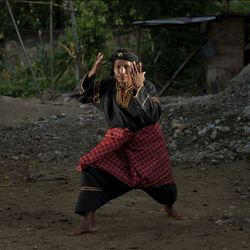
column 89, row 90
column 147, row 102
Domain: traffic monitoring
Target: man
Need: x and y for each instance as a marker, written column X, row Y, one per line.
column 133, row 153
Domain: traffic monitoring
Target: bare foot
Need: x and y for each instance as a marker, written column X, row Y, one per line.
column 82, row 227
column 174, row 214
column 87, row 225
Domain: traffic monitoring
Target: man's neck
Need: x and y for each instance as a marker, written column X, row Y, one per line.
column 124, row 86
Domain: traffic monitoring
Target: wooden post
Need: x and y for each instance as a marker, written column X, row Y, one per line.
column 75, row 35
column 24, row 50
column 51, row 49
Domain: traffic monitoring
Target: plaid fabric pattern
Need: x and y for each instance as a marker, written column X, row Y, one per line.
column 137, row 159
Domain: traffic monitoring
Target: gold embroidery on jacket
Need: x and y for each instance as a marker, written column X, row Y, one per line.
column 96, row 93
column 82, row 90
column 88, row 188
column 123, row 96
column 155, row 99
column 145, row 100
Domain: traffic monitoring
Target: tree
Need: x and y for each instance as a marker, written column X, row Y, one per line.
column 92, row 29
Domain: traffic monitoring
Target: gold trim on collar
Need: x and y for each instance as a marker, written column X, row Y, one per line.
column 123, row 96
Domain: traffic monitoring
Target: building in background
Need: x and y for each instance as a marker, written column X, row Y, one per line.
column 227, row 48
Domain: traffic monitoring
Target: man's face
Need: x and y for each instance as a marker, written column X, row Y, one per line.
column 122, row 71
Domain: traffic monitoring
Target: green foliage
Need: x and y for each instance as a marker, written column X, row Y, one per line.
column 92, row 31
column 99, row 23
column 16, row 81
column 16, row 78
column 30, row 15
column 242, row 6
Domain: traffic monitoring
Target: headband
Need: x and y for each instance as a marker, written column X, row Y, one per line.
column 124, row 54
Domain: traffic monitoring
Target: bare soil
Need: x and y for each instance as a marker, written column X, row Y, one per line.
column 38, row 192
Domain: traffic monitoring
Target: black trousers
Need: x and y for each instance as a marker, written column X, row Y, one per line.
column 98, row 188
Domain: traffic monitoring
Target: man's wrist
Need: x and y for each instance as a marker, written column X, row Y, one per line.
column 91, row 75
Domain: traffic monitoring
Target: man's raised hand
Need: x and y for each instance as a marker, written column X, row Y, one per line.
column 138, row 76
column 96, row 68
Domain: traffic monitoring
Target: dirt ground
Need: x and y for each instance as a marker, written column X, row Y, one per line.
column 37, row 200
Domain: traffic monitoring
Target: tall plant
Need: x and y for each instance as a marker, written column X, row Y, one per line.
column 93, row 33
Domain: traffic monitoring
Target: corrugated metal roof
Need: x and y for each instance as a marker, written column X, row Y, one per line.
column 175, row 21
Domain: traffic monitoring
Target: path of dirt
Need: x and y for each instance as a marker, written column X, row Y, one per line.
column 39, row 187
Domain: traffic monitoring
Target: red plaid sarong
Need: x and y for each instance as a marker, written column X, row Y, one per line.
column 137, row 159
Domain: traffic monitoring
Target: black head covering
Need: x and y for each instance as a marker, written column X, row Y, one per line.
column 124, row 54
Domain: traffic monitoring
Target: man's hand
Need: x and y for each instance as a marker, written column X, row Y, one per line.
column 138, row 77
column 96, row 68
